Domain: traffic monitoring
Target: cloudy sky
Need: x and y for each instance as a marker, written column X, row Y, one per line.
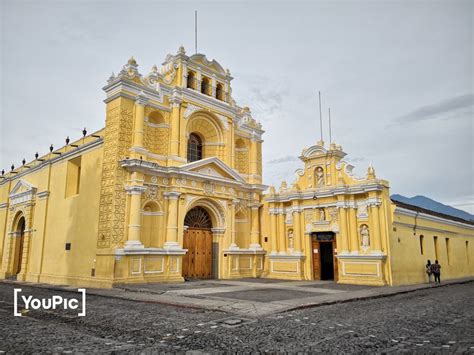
column 397, row 75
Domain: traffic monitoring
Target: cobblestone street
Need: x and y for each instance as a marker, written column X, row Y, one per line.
column 431, row 320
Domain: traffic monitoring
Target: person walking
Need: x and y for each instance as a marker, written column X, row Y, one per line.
column 428, row 270
column 436, row 270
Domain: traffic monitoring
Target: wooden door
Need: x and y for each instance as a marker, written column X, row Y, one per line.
column 197, row 263
column 316, row 260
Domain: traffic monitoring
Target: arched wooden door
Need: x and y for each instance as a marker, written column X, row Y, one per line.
column 18, row 253
column 197, row 263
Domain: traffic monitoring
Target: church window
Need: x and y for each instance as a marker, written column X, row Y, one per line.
column 73, row 176
column 205, row 86
column 220, row 92
column 194, row 148
column 191, row 82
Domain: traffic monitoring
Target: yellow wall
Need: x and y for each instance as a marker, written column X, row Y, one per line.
column 408, row 263
column 56, row 215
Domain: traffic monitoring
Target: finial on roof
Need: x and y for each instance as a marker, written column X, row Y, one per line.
column 371, row 172
column 132, row 62
column 112, row 77
column 181, row 50
column 154, row 69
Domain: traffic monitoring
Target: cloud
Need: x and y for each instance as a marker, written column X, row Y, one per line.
column 286, row 159
column 438, row 110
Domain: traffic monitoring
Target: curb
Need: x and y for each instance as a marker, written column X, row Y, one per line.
column 203, row 308
column 370, row 297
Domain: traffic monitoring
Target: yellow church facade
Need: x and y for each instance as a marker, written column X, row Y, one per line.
column 171, row 189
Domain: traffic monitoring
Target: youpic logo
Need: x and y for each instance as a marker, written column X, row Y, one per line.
column 51, row 303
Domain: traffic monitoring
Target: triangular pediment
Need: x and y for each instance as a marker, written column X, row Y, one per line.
column 21, row 187
column 213, row 167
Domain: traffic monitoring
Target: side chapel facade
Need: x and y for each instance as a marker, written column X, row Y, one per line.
column 171, row 188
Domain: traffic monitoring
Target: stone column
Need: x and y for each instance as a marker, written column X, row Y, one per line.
column 140, row 104
column 282, row 232
column 375, row 232
column 274, row 237
column 255, row 233
column 175, row 123
column 253, row 157
column 353, row 232
column 343, row 230
column 233, row 244
column 297, row 229
column 134, row 227
column 232, row 144
column 172, row 222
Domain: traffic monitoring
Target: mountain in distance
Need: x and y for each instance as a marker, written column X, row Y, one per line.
column 429, row 204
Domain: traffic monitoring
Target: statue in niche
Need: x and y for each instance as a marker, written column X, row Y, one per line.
column 322, row 215
column 290, row 240
column 319, row 176
column 364, row 236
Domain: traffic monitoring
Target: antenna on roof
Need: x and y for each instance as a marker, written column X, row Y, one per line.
column 320, row 117
column 330, row 133
column 196, row 31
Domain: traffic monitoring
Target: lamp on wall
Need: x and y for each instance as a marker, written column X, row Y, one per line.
column 315, row 197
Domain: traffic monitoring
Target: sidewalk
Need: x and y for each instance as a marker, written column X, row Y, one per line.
column 247, row 297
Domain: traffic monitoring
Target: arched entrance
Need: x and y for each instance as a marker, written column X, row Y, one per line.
column 18, row 245
column 197, row 238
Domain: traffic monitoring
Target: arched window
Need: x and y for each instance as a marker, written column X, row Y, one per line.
column 220, row 92
column 194, row 148
column 155, row 118
column 191, row 84
column 205, row 86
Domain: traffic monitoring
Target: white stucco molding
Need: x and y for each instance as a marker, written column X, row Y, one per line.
column 22, row 192
column 371, row 256
column 428, row 217
column 245, row 251
column 377, row 185
column 149, row 251
column 135, row 189
column 187, row 171
column 43, row 195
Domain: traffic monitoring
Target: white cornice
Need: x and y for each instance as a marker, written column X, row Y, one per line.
column 428, row 217
column 65, row 155
column 177, row 171
column 321, row 193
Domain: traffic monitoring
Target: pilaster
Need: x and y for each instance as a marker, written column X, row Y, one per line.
column 172, row 222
